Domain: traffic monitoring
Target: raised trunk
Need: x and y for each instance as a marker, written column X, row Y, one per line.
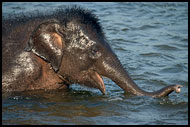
column 113, row 69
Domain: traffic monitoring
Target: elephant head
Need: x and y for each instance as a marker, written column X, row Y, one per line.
column 73, row 42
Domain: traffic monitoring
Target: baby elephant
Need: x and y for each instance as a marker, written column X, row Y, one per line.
column 55, row 50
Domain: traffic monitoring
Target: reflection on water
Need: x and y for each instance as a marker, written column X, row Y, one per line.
column 84, row 107
column 151, row 41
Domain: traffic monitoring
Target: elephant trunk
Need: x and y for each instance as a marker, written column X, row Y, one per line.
column 113, row 69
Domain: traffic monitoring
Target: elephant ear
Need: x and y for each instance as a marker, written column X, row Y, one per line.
column 47, row 43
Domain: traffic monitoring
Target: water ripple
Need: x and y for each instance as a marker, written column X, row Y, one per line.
column 166, row 47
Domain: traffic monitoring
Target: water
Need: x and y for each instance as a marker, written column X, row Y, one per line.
column 151, row 41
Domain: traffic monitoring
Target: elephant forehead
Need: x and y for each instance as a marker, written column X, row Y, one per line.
column 80, row 40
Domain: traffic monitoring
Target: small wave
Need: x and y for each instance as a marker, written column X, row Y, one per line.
column 165, row 47
column 150, row 54
column 175, row 69
column 145, row 27
column 168, row 101
column 18, row 8
column 124, row 29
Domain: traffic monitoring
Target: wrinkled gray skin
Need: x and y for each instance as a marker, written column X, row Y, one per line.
column 73, row 43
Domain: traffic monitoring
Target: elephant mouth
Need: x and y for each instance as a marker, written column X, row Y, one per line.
column 98, row 82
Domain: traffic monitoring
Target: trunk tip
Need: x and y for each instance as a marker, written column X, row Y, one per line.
column 177, row 88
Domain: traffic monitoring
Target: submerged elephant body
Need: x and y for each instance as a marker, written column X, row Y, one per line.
column 56, row 50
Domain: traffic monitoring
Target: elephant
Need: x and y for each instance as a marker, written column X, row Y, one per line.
column 53, row 51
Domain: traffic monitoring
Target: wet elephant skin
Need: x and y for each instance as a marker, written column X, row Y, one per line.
column 55, row 50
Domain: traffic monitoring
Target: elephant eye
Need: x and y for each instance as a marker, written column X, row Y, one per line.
column 95, row 53
column 94, row 50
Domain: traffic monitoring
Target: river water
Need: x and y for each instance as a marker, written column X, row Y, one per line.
column 150, row 40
